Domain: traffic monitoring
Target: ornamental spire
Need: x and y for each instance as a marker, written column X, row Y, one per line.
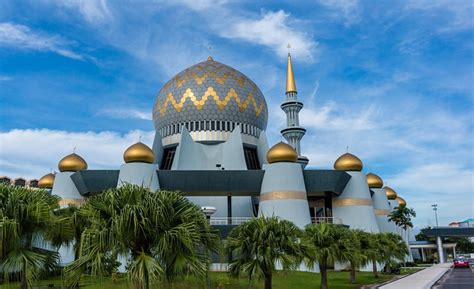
column 290, row 77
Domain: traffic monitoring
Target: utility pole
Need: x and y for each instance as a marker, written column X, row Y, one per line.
column 435, row 209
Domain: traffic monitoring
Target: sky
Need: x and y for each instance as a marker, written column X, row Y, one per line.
column 390, row 80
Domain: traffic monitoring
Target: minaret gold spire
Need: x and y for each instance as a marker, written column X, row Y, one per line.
column 290, row 77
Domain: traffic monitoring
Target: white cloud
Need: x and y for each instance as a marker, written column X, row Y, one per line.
column 454, row 16
column 271, row 30
column 93, row 11
column 199, row 5
column 5, row 78
column 349, row 10
column 31, row 153
column 22, row 37
column 449, row 185
column 126, row 113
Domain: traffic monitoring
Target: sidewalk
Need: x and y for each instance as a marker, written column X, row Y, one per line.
column 420, row 280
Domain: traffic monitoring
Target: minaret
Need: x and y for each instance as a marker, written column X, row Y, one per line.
column 293, row 133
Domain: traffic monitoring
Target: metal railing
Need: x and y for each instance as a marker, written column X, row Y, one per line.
column 240, row 220
column 326, row 220
column 228, row 221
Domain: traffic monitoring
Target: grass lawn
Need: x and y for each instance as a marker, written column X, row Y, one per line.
column 281, row 280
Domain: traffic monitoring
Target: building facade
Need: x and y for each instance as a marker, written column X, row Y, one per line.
column 211, row 144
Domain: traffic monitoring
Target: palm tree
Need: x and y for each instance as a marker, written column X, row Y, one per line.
column 76, row 224
column 326, row 241
column 352, row 251
column 162, row 233
column 392, row 248
column 261, row 243
column 402, row 217
column 27, row 222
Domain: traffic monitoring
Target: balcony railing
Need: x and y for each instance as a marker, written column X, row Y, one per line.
column 326, row 220
column 240, row 220
column 228, row 221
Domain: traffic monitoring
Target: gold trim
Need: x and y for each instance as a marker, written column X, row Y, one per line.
column 381, row 212
column 351, row 202
column 210, row 92
column 283, row 196
column 71, row 201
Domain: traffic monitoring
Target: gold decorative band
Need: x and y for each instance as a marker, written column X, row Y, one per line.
column 71, row 201
column 211, row 95
column 381, row 212
column 283, row 196
column 351, row 202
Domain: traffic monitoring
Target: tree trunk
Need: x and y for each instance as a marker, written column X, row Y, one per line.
column 324, row 274
column 23, row 283
column 268, row 280
column 353, row 273
column 374, row 268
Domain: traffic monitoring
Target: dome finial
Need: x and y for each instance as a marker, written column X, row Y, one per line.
column 374, row 181
column 282, row 152
column 348, row 162
column 72, row 163
column 290, row 76
column 139, row 153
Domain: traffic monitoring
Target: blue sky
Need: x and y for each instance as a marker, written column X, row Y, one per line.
column 393, row 80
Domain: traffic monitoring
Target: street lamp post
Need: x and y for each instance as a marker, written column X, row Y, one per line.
column 435, row 209
column 208, row 211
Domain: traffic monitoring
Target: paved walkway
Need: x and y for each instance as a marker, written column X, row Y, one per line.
column 423, row 279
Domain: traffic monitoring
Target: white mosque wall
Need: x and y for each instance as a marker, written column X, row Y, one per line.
column 283, row 193
column 65, row 188
column 262, row 148
column 354, row 206
column 382, row 209
column 191, row 155
column 142, row 174
column 157, row 148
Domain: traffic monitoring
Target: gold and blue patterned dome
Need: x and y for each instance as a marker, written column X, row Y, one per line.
column 210, row 97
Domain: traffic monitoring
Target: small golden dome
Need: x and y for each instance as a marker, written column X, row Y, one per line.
column 139, row 152
column 401, row 201
column 374, row 181
column 72, row 163
column 281, row 152
column 46, row 181
column 348, row 162
column 391, row 194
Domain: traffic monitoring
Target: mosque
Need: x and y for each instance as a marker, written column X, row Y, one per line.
column 211, row 145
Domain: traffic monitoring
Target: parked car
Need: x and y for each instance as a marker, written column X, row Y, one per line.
column 461, row 262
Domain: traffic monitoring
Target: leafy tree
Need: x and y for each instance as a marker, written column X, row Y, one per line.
column 352, row 251
column 27, row 223
column 76, row 223
column 393, row 247
column 402, row 217
column 261, row 243
column 325, row 241
column 421, row 236
column 162, row 233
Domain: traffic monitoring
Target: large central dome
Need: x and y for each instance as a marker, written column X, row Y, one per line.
column 209, row 97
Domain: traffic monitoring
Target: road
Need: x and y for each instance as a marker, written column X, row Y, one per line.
column 460, row 278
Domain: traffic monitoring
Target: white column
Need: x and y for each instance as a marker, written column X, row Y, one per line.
column 439, row 243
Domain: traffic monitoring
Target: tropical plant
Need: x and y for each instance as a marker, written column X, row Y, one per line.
column 259, row 245
column 326, row 243
column 76, row 222
column 162, row 234
column 402, row 216
column 393, row 248
column 353, row 251
column 27, row 223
